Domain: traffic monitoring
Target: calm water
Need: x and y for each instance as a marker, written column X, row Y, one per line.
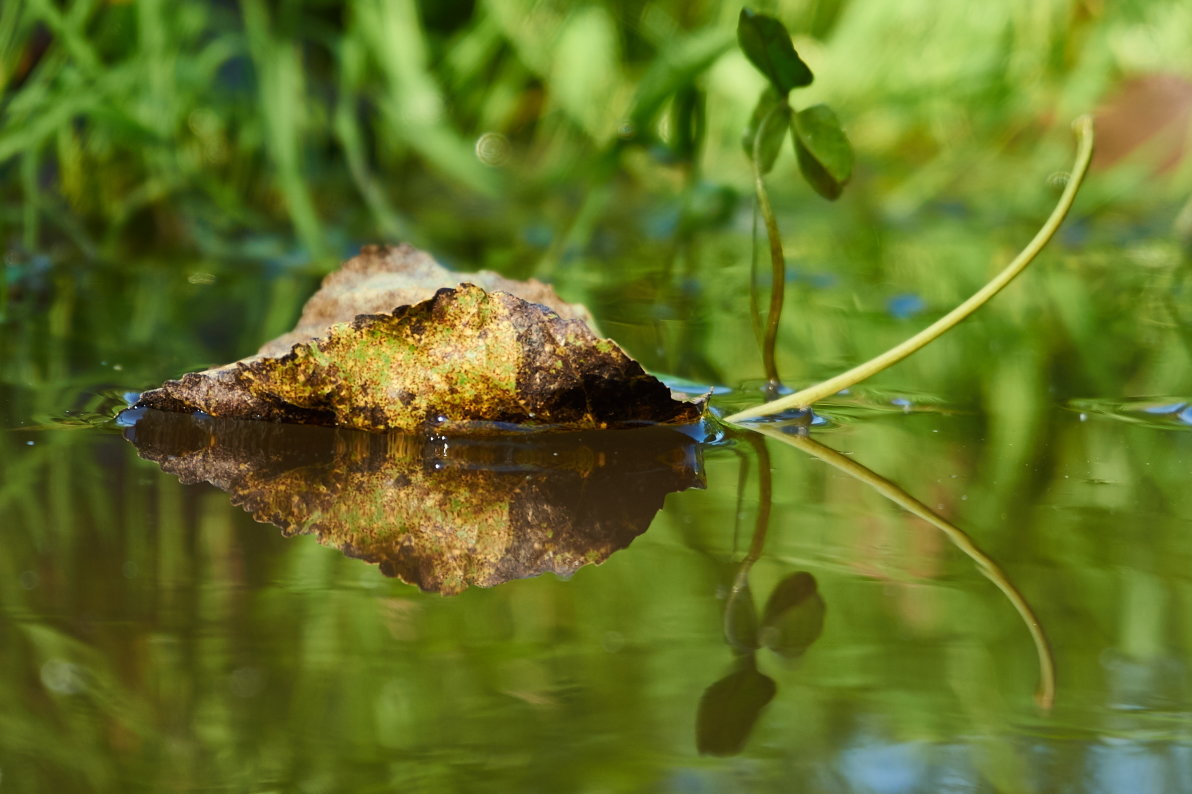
column 767, row 616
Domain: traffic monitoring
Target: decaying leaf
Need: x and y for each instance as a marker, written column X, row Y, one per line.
column 382, row 277
column 441, row 515
column 462, row 360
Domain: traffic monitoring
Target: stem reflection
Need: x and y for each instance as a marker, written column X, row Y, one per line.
column 1045, row 693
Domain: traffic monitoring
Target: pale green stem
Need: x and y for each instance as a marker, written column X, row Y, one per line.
column 1045, row 694
column 803, row 399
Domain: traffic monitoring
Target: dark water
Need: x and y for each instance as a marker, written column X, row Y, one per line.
column 988, row 590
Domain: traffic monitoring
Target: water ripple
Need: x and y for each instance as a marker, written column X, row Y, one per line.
column 1164, row 413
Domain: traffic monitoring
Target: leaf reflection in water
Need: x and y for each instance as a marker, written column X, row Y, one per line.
column 729, row 708
column 440, row 513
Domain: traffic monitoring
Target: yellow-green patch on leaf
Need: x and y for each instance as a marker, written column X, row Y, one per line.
column 464, row 360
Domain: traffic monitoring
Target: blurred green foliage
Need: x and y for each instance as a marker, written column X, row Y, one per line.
column 507, row 132
column 599, row 144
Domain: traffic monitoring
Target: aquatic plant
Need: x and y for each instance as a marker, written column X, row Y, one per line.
column 825, row 160
column 823, row 151
column 802, row 399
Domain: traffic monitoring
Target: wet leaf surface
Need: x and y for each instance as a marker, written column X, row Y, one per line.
column 437, row 513
column 463, row 360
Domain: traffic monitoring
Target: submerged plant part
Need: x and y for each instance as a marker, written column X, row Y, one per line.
column 1083, row 127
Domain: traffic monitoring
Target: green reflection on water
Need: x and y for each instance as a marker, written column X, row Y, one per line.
column 156, row 637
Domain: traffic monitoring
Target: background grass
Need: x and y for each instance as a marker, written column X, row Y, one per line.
column 500, row 131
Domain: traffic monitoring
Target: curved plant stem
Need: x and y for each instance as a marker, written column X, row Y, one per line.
column 754, row 306
column 777, row 260
column 802, row 399
column 1045, row 693
column 765, row 500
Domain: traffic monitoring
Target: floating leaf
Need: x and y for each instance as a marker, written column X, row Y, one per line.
column 767, row 44
column 775, row 113
column 794, row 616
column 730, row 707
column 465, row 360
column 824, row 153
column 443, row 516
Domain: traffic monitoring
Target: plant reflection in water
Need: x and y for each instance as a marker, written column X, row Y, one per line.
column 446, row 514
column 791, row 621
column 793, row 617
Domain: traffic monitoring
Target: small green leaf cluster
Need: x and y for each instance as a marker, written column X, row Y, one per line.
column 822, row 149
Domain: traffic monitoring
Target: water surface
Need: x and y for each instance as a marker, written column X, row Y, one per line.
column 157, row 638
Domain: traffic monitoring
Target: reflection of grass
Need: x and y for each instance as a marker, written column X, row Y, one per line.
column 212, row 648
